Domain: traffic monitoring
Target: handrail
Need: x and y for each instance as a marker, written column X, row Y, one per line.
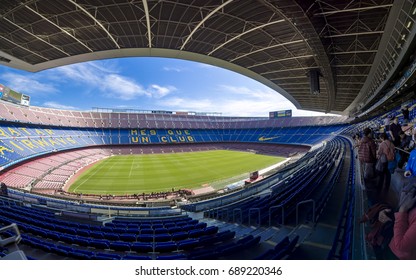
column 241, row 214
column 270, row 215
column 14, row 239
column 222, row 211
column 404, row 151
column 304, row 202
column 249, row 215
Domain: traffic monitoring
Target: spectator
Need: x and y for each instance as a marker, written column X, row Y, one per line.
column 405, row 142
column 386, row 122
column 385, row 150
column 413, row 140
column 367, row 156
column 367, row 151
column 411, row 165
column 3, row 189
column 406, row 113
column 394, row 131
column 403, row 243
column 357, row 140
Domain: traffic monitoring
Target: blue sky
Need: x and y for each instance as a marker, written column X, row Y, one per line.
column 148, row 84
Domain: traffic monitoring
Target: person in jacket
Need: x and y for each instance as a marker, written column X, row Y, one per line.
column 403, row 243
column 405, row 142
column 367, row 156
column 385, row 151
column 411, row 165
column 394, row 131
column 367, row 148
column 406, row 114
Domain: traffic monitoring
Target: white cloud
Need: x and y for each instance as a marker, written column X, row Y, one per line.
column 55, row 105
column 265, row 92
column 229, row 107
column 28, row 84
column 116, row 86
column 207, row 66
column 160, row 91
column 173, row 69
column 187, row 104
column 83, row 73
column 236, row 101
column 111, row 84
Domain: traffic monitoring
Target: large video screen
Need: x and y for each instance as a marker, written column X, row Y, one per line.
column 280, row 114
column 15, row 97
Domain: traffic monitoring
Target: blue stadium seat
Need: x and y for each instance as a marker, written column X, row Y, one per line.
column 127, row 237
column 136, row 257
column 120, row 246
column 145, row 237
column 106, row 256
column 99, row 244
column 162, row 237
column 172, row 257
column 111, row 236
column 165, row 247
column 188, row 244
column 179, row 235
column 141, row 247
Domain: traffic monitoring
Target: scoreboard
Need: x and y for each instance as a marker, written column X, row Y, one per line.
column 12, row 96
column 280, row 114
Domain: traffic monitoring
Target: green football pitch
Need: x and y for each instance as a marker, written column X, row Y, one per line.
column 135, row 174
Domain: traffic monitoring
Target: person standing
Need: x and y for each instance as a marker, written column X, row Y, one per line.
column 405, row 142
column 367, row 157
column 385, row 151
column 386, row 123
column 406, row 114
column 394, row 131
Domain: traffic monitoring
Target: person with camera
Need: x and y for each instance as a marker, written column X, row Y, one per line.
column 403, row 242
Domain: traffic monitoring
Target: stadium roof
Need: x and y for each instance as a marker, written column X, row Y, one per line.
column 354, row 45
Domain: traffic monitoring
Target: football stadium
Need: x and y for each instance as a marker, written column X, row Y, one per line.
column 130, row 184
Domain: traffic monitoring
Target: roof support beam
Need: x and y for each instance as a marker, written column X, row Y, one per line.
column 349, row 88
column 350, row 83
column 279, row 60
column 203, row 21
column 361, row 9
column 352, row 65
column 266, row 48
column 20, row 46
column 60, row 28
column 22, row 4
column 353, row 75
column 244, row 33
column 37, row 37
column 287, row 78
column 294, row 83
column 302, row 25
column 291, row 69
column 354, row 52
column 354, row 34
column 96, row 21
column 149, row 32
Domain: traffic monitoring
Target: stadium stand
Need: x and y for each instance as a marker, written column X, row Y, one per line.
column 42, row 148
column 259, row 222
column 364, row 57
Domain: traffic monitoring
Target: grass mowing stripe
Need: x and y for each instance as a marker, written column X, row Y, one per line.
column 91, row 173
column 160, row 172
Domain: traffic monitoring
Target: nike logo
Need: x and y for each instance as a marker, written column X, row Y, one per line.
column 267, row 138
